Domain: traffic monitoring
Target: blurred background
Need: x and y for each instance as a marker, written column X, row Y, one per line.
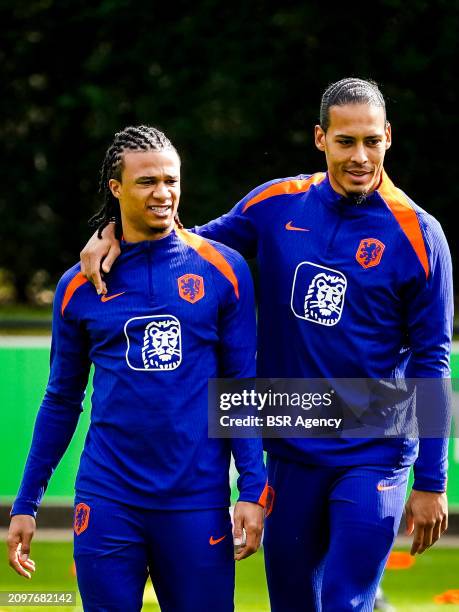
column 236, row 87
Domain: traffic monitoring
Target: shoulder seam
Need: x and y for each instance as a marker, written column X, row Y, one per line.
column 208, row 252
column 77, row 281
column 285, row 187
column 407, row 218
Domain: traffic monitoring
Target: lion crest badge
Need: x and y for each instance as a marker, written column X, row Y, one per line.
column 154, row 343
column 191, row 287
column 318, row 294
column 369, row 252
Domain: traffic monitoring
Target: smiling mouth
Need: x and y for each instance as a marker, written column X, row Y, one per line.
column 160, row 211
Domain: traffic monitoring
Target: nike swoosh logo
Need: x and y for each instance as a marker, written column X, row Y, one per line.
column 289, row 226
column 381, row 487
column 107, row 298
column 212, row 542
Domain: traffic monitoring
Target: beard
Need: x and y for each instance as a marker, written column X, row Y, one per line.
column 357, row 199
column 158, row 230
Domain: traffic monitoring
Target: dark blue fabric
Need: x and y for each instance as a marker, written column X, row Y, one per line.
column 333, row 529
column 121, row 546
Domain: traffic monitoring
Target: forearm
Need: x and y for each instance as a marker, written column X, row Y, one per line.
column 248, row 457
column 54, row 428
column 433, row 411
column 430, row 468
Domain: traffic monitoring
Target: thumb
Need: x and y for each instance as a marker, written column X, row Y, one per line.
column 25, row 547
column 110, row 258
column 237, row 530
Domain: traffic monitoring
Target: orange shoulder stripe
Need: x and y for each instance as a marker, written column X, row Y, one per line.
column 210, row 254
column 73, row 285
column 295, row 186
column 406, row 216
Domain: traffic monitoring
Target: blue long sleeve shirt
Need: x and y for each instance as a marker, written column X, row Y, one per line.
column 347, row 291
column 180, row 310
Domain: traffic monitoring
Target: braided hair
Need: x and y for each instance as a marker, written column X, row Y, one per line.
column 349, row 91
column 138, row 138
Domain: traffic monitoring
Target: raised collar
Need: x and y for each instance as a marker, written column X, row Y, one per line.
column 330, row 197
column 152, row 245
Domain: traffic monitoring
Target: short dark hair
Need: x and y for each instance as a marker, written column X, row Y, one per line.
column 138, row 138
column 349, row 91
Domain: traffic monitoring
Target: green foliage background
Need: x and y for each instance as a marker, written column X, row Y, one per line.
column 236, row 86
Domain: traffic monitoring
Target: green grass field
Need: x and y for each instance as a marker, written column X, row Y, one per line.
column 409, row 590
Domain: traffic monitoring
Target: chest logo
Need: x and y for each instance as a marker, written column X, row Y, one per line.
column 154, row 343
column 369, row 252
column 191, row 287
column 289, row 226
column 107, row 298
column 318, row 294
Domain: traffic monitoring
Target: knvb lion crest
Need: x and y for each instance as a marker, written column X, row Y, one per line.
column 161, row 345
column 191, row 287
column 153, row 343
column 318, row 294
column 369, row 252
column 81, row 518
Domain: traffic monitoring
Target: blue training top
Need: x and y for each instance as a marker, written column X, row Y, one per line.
column 347, row 291
column 179, row 310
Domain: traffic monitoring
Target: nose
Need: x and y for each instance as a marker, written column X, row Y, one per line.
column 161, row 192
column 359, row 154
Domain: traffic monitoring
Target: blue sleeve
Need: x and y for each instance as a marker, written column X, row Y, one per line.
column 236, row 228
column 237, row 332
column 60, row 409
column 430, row 328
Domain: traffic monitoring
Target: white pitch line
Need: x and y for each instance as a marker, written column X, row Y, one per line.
column 25, row 341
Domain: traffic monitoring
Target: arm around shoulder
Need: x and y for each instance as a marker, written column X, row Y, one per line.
column 98, row 256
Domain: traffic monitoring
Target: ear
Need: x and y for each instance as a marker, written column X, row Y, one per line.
column 319, row 138
column 388, row 132
column 115, row 187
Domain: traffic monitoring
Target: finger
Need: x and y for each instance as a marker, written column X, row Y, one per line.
column 436, row 532
column 253, row 540
column 444, row 523
column 99, row 283
column 28, row 566
column 238, row 537
column 427, row 539
column 409, row 521
column 13, row 559
column 113, row 253
column 90, row 268
column 417, row 540
column 20, row 570
column 241, row 553
column 237, row 529
column 29, row 563
column 24, row 547
column 250, row 543
column 85, row 260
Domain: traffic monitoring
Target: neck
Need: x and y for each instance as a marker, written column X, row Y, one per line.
column 376, row 184
column 132, row 235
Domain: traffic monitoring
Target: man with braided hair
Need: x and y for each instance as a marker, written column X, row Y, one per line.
column 152, row 490
column 362, row 289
